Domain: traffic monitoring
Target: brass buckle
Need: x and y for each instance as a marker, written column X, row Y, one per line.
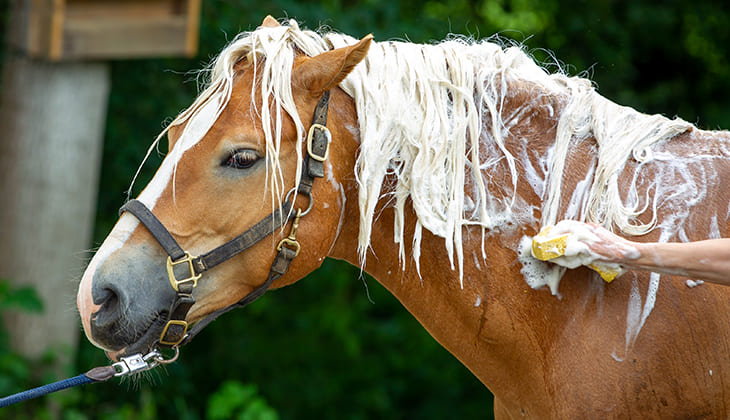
column 310, row 136
column 171, row 273
column 291, row 240
column 291, row 244
column 162, row 340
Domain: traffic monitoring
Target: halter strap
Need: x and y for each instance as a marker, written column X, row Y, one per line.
column 281, row 263
column 156, row 228
column 175, row 332
column 228, row 250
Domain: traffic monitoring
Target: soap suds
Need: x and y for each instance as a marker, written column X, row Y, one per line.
column 694, row 283
column 476, row 261
column 537, row 273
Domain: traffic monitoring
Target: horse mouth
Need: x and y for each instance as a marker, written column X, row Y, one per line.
column 144, row 342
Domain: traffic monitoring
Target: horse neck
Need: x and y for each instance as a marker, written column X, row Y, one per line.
column 476, row 323
column 466, row 315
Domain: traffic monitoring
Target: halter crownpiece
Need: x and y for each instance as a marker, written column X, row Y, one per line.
column 185, row 270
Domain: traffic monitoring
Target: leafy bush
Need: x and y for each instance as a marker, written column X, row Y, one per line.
column 235, row 400
column 15, row 371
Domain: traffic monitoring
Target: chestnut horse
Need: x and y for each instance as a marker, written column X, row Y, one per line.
column 436, row 162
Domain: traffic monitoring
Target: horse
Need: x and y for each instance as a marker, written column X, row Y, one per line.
column 431, row 167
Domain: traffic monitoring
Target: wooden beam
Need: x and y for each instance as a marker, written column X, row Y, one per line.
column 193, row 28
column 56, row 29
column 127, row 9
column 124, row 38
column 109, row 29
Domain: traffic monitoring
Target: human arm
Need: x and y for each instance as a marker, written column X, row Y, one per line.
column 707, row 260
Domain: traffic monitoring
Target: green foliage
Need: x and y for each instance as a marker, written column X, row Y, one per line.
column 20, row 298
column 526, row 16
column 235, row 400
column 16, row 372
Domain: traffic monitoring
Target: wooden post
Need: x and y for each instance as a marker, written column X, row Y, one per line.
column 52, row 117
column 52, row 114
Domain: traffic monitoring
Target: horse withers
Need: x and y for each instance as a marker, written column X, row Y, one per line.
column 447, row 156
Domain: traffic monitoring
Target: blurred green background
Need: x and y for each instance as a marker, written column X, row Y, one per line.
column 337, row 345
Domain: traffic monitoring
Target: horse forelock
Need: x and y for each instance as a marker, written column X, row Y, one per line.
column 420, row 110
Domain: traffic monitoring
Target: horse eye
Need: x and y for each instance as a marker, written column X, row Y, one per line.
column 241, row 159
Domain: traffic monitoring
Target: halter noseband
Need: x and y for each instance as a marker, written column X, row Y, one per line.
column 175, row 332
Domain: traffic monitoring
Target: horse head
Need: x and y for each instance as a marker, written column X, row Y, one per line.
column 226, row 170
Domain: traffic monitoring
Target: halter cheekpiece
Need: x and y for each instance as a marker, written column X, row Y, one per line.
column 185, row 270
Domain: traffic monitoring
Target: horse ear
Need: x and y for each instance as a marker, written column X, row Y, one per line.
column 324, row 71
column 269, row 22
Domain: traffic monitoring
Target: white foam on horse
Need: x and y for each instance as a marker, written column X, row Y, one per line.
column 693, row 283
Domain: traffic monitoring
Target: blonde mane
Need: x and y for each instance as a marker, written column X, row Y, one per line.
column 421, row 111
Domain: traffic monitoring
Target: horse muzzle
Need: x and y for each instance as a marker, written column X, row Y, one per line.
column 131, row 298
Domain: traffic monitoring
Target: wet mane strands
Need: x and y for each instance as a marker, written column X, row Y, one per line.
column 421, row 112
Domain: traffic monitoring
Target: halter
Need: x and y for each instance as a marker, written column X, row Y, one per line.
column 175, row 333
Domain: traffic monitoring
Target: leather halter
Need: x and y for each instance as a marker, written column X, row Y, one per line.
column 175, row 332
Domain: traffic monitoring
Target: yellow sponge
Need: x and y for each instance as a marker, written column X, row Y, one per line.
column 546, row 248
column 608, row 272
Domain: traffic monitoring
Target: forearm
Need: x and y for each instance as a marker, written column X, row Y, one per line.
column 707, row 260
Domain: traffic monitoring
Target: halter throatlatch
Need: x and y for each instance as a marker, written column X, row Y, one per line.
column 185, row 270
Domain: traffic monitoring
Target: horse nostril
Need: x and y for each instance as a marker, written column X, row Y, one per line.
column 110, row 311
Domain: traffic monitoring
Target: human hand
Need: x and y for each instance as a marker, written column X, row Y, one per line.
column 610, row 247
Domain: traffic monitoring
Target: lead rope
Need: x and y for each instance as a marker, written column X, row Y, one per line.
column 125, row 366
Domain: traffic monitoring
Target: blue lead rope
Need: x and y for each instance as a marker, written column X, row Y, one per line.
column 46, row 389
column 125, row 366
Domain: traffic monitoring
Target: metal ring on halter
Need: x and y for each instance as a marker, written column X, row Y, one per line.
column 309, row 196
column 159, row 358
